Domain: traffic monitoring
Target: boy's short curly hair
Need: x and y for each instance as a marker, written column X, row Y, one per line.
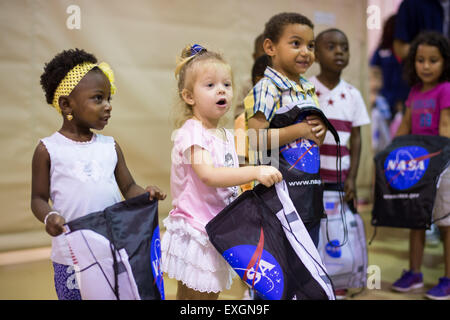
column 59, row 66
column 430, row 38
column 324, row 32
column 274, row 27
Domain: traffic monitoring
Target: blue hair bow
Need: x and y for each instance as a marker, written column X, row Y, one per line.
column 196, row 48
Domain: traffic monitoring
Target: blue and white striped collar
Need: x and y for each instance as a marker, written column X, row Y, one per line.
column 284, row 83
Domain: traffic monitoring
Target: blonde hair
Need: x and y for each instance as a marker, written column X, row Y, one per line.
column 186, row 77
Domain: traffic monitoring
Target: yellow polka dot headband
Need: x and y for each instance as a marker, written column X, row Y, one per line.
column 74, row 76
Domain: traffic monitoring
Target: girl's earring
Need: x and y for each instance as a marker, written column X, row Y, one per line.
column 69, row 117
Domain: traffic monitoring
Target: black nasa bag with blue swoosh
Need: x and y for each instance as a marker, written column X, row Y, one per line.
column 406, row 176
column 264, row 240
column 299, row 161
column 116, row 252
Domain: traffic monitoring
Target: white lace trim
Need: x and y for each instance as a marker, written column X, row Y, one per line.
column 188, row 256
column 93, row 138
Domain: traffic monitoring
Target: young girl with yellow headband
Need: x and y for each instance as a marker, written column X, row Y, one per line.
column 79, row 170
column 204, row 176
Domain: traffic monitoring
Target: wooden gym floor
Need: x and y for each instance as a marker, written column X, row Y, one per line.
column 28, row 274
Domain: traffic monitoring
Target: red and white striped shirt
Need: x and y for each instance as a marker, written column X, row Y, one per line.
column 345, row 108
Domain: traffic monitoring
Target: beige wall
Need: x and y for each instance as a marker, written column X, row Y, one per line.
column 140, row 40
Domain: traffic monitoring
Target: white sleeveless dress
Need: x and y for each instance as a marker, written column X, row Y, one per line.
column 81, row 181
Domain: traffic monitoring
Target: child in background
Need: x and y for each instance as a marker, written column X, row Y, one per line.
column 239, row 114
column 393, row 88
column 259, row 66
column 258, row 51
column 204, row 175
column 427, row 69
column 79, row 170
column 380, row 114
column 345, row 109
column 289, row 42
column 241, row 139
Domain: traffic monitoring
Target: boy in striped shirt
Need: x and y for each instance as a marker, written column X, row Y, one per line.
column 345, row 109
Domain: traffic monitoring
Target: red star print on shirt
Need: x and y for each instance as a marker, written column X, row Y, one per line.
column 330, row 102
column 343, row 96
column 318, row 93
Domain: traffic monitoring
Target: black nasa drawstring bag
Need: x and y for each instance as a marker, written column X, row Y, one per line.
column 263, row 239
column 299, row 161
column 406, row 177
column 117, row 252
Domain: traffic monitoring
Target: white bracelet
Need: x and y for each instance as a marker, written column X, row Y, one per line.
column 49, row 214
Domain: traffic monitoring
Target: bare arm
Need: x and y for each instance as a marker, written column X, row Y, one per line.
column 355, row 154
column 40, row 191
column 444, row 123
column 222, row 177
column 405, row 126
column 126, row 183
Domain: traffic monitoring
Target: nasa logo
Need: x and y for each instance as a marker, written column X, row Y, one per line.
column 155, row 260
column 333, row 249
column 265, row 275
column 405, row 166
column 329, row 205
column 302, row 155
